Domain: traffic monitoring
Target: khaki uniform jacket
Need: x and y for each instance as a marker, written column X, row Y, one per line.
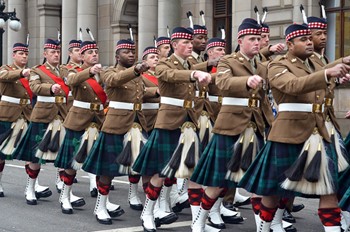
column 123, row 85
column 265, row 54
column 175, row 81
column 64, row 72
column 78, row 118
column 151, row 115
column 12, row 87
column 232, row 76
column 202, row 102
column 40, row 84
column 329, row 110
column 292, row 82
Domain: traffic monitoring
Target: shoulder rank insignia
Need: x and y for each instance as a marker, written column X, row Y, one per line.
column 241, row 59
column 176, row 62
column 234, row 56
column 294, row 60
column 312, row 55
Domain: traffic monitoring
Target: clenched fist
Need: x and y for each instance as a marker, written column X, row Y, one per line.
column 96, row 69
column 254, row 81
column 56, row 88
column 202, row 77
column 141, row 67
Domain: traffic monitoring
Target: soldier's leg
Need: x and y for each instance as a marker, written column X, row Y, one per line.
column 329, row 213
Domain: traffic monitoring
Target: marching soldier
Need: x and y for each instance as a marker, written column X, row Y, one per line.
column 45, row 131
column 119, row 143
column 299, row 87
column 164, row 153
column 163, row 46
column 241, row 81
column 83, row 120
column 15, row 104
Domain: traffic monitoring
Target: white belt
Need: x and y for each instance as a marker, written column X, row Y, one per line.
column 150, row 106
column 301, row 107
column 125, row 105
column 233, row 101
column 88, row 105
column 176, row 102
column 56, row 99
column 20, row 101
column 201, row 93
column 215, row 98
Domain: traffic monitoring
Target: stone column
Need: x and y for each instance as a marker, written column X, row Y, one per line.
column 13, row 36
column 87, row 17
column 169, row 14
column 147, row 21
column 69, row 25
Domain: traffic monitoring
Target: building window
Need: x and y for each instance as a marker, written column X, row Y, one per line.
column 223, row 19
column 338, row 17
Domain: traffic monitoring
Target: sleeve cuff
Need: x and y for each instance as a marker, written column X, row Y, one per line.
column 192, row 78
column 326, row 78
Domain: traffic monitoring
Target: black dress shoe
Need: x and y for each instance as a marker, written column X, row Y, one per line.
column 66, row 211
column 31, row 202
column 93, row 192
column 75, row 180
column 2, row 194
column 44, row 194
column 138, row 207
column 116, row 213
column 220, row 226
column 172, row 217
column 180, row 206
column 290, row 228
column 288, row 217
column 228, row 205
column 106, row 221
column 232, row 219
column 112, row 187
column 297, row 207
column 238, row 204
column 78, row 203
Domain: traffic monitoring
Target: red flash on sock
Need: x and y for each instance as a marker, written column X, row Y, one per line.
column 103, row 189
column 195, row 196
column 153, row 191
column 267, row 214
column 134, row 179
column 33, row 174
column 330, row 216
column 256, row 202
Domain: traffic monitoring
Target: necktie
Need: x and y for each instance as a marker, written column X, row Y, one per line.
column 252, row 64
column 186, row 66
column 308, row 65
column 323, row 60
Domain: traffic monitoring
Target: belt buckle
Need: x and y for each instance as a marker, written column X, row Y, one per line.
column 137, row 107
column 59, row 99
column 253, row 102
column 95, row 106
column 316, row 108
column 23, row 101
column 202, row 94
column 220, row 100
column 187, row 104
column 328, row 101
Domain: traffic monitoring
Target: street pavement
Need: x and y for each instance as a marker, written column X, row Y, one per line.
column 17, row 216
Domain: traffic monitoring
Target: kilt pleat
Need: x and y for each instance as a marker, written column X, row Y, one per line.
column 344, row 190
column 4, row 126
column 265, row 175
column 102, row 157
column 68, row 148
column 157, row 151
column 211, row 168
column 29, row 144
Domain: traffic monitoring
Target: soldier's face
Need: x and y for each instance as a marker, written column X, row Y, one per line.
column 75, row 55
column 20, row 58
column 250, row 45
column 216, row 52
column 301, row 47
column 200, row 42
column 90, row 57
column 152, row 60
column 163, row 50
column 126, row 57
column 183, row 48
column 319, row 38
column 265, row 40
column 52, row 56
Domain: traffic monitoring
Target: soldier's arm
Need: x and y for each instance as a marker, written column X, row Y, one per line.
column 115, row 78
column 9, row 76
column 170, row 74
column 37, row 86
column 203, row 66
column 75, row 78
column 227, row 81
column 281, row 78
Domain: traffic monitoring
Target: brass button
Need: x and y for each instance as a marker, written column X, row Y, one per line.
column 190, row 93
column 137, row 98
column 189, row 86
column 317, row 96
column 204, row 88
column 16, row 82
column 125, row 87
column 137, row 91
column 96, row 98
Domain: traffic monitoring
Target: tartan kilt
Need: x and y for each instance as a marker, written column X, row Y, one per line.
column 344, row 190
column 211, row 168
column 29, row 144
column 266, row 174
column 5, row 126
column 68, row 148
column 101, row 160
column 157, row 151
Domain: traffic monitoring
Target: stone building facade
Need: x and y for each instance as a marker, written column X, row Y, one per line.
column 108, row 21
